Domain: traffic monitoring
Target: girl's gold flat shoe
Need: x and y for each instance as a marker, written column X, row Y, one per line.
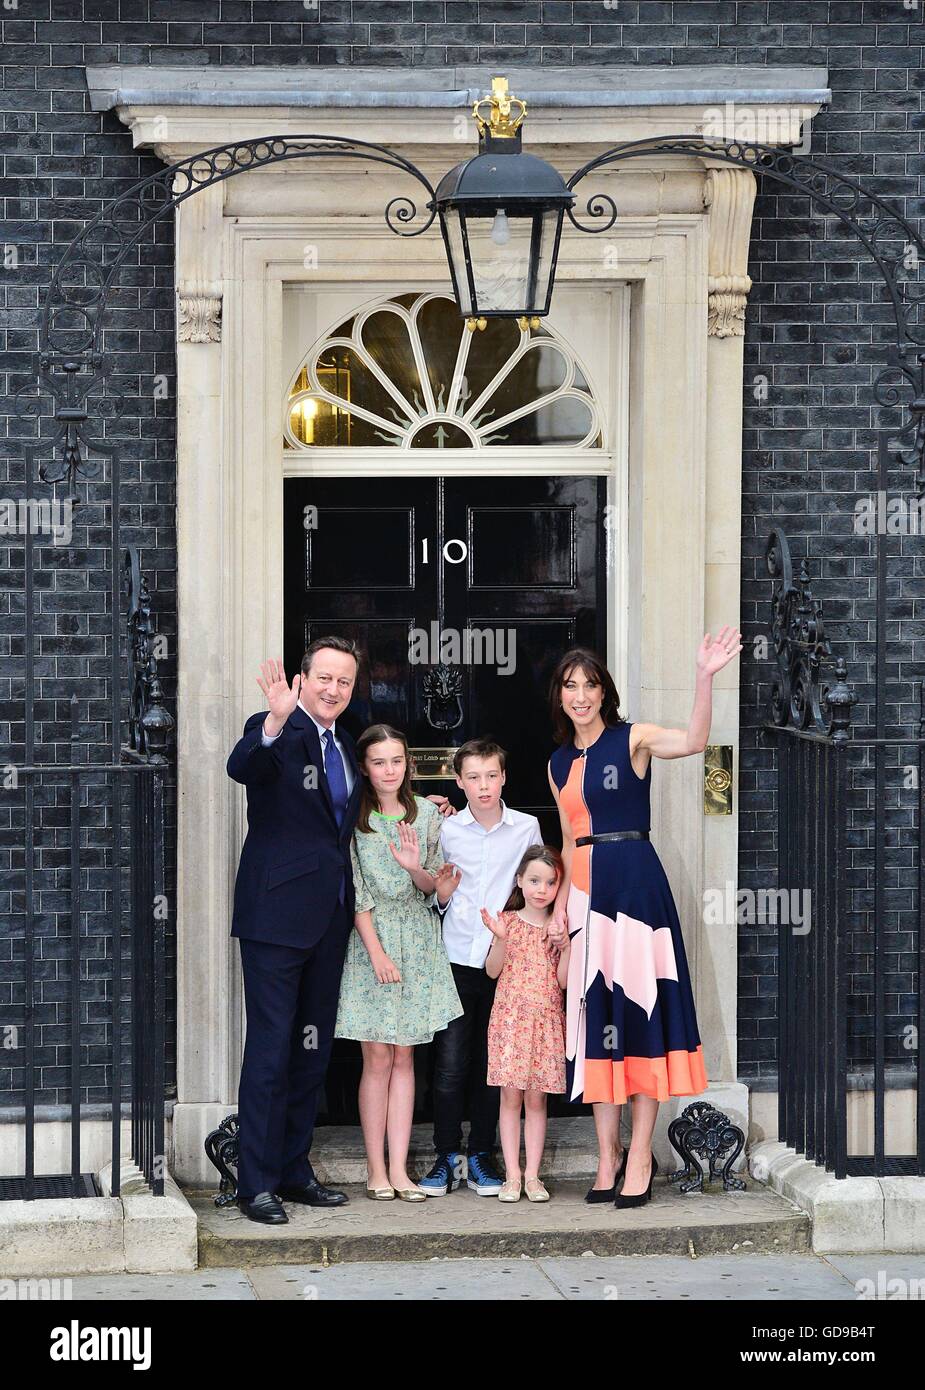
column 535, row 1191
column 410, row 1194
column 510, row 1191
column 381, row 1194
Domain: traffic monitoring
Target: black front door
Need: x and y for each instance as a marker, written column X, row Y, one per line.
column 463, row 593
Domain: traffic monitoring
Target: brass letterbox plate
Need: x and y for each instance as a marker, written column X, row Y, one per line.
column 432, row 764
column 717, row 779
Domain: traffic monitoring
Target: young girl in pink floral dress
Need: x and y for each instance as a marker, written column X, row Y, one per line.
column 526, row 1032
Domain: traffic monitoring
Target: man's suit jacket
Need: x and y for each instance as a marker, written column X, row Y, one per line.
column 294, row 858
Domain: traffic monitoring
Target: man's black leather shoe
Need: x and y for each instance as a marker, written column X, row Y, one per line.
column 265, row 1207
column 313, row 1194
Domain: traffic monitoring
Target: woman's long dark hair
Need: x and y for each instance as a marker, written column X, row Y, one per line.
column 592, row 665
column 547, row 855
column 378, row 733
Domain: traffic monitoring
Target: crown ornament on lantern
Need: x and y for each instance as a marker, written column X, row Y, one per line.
column 501, row 123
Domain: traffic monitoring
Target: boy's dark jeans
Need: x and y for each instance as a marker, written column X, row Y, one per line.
column 461, row 1066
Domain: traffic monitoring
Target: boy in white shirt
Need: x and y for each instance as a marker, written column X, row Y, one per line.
column 485, row 842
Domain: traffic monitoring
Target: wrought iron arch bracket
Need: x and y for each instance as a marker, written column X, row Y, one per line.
column 71, row 362
column 891, row 241
column 71, row 365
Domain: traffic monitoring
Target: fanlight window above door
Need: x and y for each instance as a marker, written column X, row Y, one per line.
column 408, row 374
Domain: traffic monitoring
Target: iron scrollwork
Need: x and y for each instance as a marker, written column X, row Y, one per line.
column 150, row 724
column 703, row 1132
column 803, row 693
column 62, row 387
column 221, row 1146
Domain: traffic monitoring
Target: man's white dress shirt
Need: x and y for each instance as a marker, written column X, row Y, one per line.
column 348, row 770
column 488, row 860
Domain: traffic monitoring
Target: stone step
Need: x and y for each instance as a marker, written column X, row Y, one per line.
column 338, row 1155
column 463, row 1224
column 570, row 1152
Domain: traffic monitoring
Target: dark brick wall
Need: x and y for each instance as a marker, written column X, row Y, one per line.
column 815, row 330
column 819, row 330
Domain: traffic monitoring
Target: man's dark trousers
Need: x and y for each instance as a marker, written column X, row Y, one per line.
column 461, row 1066
column 291, row 1000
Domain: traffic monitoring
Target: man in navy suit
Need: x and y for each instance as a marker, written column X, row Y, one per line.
column 293, row 911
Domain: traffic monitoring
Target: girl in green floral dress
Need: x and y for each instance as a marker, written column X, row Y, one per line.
column 397, row 988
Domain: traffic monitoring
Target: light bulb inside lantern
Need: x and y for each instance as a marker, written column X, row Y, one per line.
column 305, row 412
column 500, row 230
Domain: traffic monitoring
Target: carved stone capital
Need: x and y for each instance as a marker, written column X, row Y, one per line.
column 726, row 299
column 200, row 312
column 730, row 196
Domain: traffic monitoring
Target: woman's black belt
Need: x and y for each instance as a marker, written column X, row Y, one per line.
column 613, row 835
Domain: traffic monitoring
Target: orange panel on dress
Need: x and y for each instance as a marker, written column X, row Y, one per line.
column 572, row 803
column 677, row 1074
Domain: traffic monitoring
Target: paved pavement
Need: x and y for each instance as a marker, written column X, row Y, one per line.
column 768, row 1278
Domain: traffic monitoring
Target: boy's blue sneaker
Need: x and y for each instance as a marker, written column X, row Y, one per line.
column 444, row 1176
column 483, row 1176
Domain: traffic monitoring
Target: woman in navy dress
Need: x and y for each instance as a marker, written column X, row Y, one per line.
column 631, row 1027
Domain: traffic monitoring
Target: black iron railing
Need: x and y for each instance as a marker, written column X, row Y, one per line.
column 109, row 817
column 851, row 840
column 811, row 952
column 91, row 870
column 148, row 924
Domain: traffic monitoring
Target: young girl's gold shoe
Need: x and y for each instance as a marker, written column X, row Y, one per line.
column 380, row 1194
column 410, row 1194
column 510, row 1191
column 535, row 1191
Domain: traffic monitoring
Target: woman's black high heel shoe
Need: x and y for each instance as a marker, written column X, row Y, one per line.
column 640, row 1198
column 607, row 1194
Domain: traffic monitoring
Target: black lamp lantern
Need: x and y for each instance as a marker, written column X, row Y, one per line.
column 501, row 217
